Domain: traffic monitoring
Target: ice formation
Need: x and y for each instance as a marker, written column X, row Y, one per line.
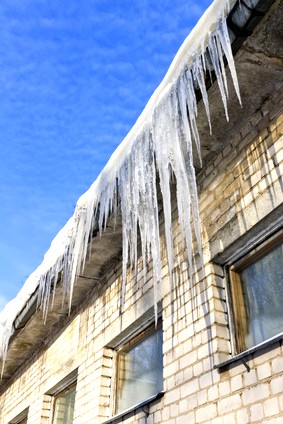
column 160, row 143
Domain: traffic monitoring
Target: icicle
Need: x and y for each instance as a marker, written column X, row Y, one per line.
column 212, row 48
column 222, row 66
column 55, row 280
column 223, row 36
column 199, row 75
column 192, row 109
column 184, row 209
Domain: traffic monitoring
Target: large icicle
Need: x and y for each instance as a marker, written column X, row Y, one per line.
column 159, row 145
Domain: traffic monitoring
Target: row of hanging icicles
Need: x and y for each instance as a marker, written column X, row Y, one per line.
column 163, row 147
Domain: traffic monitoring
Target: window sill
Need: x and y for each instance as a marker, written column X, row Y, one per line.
column 242, row 356
column 133, row 408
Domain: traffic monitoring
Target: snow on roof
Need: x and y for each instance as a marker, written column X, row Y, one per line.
column 155, row 144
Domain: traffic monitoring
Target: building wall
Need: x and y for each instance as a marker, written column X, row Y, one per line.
column 239, row 190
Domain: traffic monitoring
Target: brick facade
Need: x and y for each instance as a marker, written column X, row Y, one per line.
column 239, row 189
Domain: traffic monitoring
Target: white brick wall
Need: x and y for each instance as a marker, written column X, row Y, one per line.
column 244, row 177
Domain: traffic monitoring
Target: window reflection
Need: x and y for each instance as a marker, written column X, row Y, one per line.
column 64, row 407
column 140, row 371
column 257, row 290
column 263, row 290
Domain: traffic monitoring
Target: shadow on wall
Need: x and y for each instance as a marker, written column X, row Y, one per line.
column 243, row 201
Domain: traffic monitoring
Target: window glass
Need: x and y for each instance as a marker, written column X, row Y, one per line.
column 258, row 299
column 140, row 371
column 64, row 407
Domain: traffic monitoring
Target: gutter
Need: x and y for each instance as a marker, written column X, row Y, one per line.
column 243, row 18
column 241, row 22
column 23, row 317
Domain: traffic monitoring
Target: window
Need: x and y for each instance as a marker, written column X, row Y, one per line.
column 64, row 404
column 139, row 369
column 257, row 292
column 22, row 418
column 61, row 399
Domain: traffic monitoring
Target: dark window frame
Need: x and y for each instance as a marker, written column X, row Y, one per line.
column 24, row 420
column 21, row 418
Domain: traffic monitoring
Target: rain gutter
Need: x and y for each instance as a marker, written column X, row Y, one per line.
column 26, row 313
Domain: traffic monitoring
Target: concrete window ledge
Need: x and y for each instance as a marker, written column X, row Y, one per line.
column 242, row 357
column 133, row 408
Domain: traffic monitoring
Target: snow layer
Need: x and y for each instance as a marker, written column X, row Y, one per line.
column 161, row 142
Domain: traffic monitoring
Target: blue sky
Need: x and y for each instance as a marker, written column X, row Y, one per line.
column 74, row 77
